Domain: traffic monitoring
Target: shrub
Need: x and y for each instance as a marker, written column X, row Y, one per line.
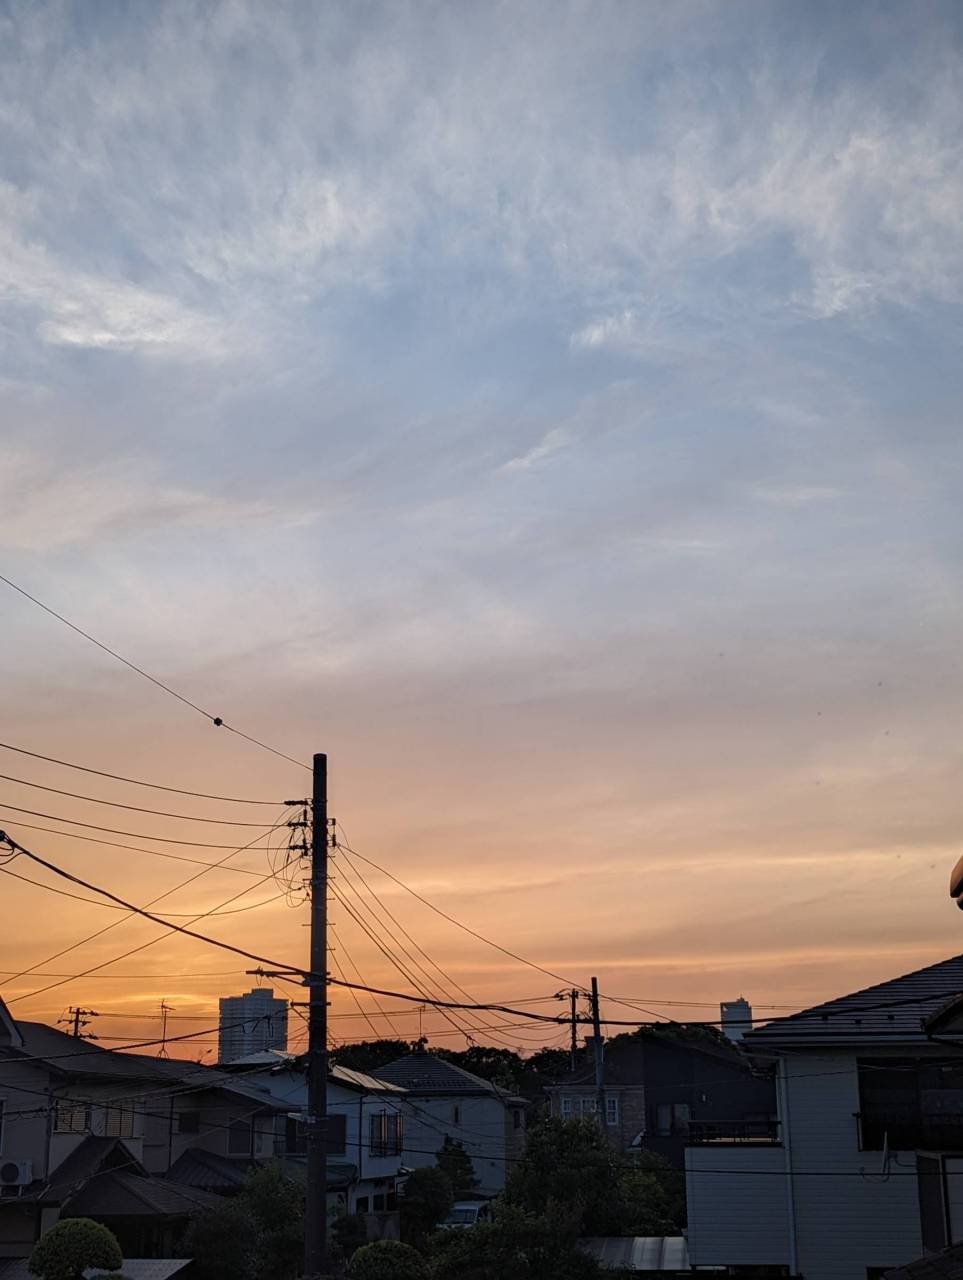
column 387, row 1260
column 426, row 1200
column 70, row 1246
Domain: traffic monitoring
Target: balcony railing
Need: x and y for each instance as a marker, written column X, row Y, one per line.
column 755, row 1133
column 909, row 1131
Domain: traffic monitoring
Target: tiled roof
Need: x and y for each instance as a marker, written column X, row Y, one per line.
column 120, row 1194
column 424, row 1073
column 359, row 1080
column 87, row 1160
column 625, row 1062
column 946, row 1265
column 67, row 1055
column 904, row 1010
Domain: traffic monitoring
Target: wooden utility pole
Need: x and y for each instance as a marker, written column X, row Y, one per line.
column 573, row 997
column 599, row 1059
column 78, row 1019
column 316, row 1206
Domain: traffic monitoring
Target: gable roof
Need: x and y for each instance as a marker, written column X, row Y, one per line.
column 424, row 1073
column 91, row 1158
column 10, row 1036
column 79, row 1059
column 625, row 1063
column 904, row 1010
column 945, row 1265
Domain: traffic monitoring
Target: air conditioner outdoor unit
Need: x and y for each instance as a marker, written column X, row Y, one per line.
column 16, row 1173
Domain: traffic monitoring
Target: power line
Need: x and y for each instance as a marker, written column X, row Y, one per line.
column 217, row 721
column 116, row 777
column 154, row 853
column 93, row 902
column 451, row 919
column 4, row 838
column 134, row 808
column 136, row 835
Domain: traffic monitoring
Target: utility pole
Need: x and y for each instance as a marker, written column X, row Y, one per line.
column 599, row 1060
column 316, row 1207
column 573, row 998
column 78, row 1019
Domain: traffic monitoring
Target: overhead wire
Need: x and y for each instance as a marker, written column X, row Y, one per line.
column 217, row 721
column 135, row 835
column 94, row 902
column 154, row 853
column 136, row 782
column 134, row 808
column 134, row 910
column 452, row 920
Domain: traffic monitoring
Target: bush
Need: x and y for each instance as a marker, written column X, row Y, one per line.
column 387, row 1260
column 426, row 1200
column 70, row 1246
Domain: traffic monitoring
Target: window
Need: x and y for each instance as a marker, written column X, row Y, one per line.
column 672, row 1118
column 295, row 1137
column 379, row 1204
column 337, row 1134
column 119, row 1122
column 239, row 1138
column 566, row 1107
column 611, row 1109
column 189, row 1122
column 386, row 1134
column 456, row 1114
column 71, row 1116
column 516, row 1117
column 361, row 1204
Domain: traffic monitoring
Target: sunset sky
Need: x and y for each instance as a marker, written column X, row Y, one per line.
column 551, row 411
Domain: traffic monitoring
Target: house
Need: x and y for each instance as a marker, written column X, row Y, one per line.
column 861, row 1174
column 663, row 1084
column 84, row 1129
column 366, row 1130
column 442, row 1100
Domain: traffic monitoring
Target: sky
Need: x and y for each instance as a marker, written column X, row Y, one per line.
column 551, row 412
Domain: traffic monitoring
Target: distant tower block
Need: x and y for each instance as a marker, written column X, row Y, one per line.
column 252, row 1023
column 736, row 1018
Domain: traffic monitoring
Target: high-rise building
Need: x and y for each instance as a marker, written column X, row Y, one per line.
column 736, row 1018
column 251, row 1023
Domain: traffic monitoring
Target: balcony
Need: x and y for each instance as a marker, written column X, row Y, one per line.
column 742, row 1133
column 909, row 1131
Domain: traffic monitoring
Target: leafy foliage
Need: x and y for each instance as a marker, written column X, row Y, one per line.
column 387, row 1260
column 70, row 1246
column 455, row 1163
column 349, row 1232
column 257, row 1235
column 516, row 1246
column 426, row 1200
column 369, row 1055
column 571, row 1165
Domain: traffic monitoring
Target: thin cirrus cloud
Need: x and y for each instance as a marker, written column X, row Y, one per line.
column 554, row 410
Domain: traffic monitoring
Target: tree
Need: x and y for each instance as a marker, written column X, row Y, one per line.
column 571, row 1164
column 257, row 1235
column 455, row 1163
column 71, row 1246
column 426, row 1200
column 516, row 1246
column 369, row 1055
column 387, row 1260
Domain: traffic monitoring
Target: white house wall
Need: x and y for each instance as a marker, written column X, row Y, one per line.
column 480, row 1128
column 847, row 1223
column 848, row 1217
column 736, row 1218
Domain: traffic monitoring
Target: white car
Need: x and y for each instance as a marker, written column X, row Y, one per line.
column 466, row 1213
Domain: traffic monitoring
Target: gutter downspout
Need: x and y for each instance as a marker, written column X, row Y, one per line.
column 786, row 1132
